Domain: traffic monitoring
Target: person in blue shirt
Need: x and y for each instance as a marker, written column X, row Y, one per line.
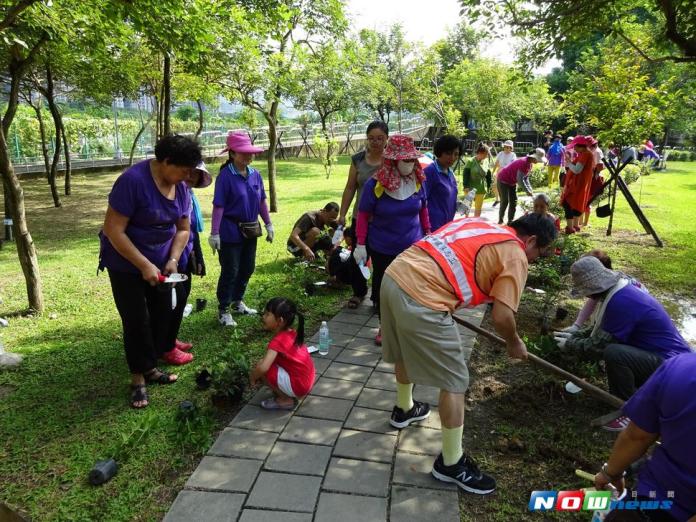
column 440, row 183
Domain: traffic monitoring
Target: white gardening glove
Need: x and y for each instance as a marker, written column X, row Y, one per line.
column 269, row 233
column 572, row 328
column 214, row 242
column 561, row 338
column 360, row 254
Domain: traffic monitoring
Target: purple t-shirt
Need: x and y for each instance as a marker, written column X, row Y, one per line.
column 152, row 217
column 666, row 404
column 240, row 198
column 636, row 318
column 441, row 189
column 395, row 225
column 508, row 175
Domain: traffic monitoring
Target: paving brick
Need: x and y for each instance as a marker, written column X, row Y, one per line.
column 366, row 446
column 433, row 420
column 366, row 308
column 414, row 470
column 348, row 372
column 421, row 440
column 339, row 389
column 284, row 492
column 358, row 477
column 367, row 332
column 312, row 431
column 334, row 351
column 364, row 345
column 337, row 338
column 344, row 328
column 256, row 418
column 359, row 358
column 347, row 316
column 205, row 505
column 374, row 321
column 225, row 474
column 376, row 399
column 416, row 505
column 384, row 367
column 321, row 364
column 333, row 507
column 428, row 394
column 365, row 419
column 306, row 459
column 259, row 515
column 261, row 395
column 233, row 442
column 383, row 381
column 325, row 408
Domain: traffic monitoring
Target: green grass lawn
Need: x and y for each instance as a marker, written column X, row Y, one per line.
column 668, row 200
column 67, row 406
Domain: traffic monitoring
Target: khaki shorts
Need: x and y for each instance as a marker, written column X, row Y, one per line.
column 426, row 341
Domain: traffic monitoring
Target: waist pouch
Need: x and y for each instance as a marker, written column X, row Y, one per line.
column 250, row 229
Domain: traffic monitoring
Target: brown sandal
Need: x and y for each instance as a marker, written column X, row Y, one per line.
column 354, row 302
column 139, row 394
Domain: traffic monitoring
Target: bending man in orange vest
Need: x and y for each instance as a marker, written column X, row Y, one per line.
column 465, row 263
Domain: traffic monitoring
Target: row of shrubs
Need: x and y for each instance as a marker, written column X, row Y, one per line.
column 681, row 155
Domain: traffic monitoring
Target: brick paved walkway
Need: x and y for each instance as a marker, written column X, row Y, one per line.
column 335, row 458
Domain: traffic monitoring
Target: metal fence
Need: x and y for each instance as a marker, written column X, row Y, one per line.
column 290, row 137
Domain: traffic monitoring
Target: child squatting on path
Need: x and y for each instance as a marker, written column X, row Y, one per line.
column 287, row 367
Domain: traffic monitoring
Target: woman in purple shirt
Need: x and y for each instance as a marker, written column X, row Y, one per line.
column 440, row 183
column 663, row 408
column 392, row 212
column 145, row 232
column 238, row 201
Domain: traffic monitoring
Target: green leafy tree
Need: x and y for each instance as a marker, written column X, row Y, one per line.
column 328, row 87
column 612, row 95
column 670, row 23
column 264, row 57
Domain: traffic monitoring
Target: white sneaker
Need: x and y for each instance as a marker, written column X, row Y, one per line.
column 225, row 319
column 242, row 308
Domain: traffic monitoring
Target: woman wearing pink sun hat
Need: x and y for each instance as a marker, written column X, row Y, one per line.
column 392, row 211
column 238, row 202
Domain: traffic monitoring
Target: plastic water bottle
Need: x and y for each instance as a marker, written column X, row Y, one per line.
column 324, row 339
column 465, row 204
column 338, row 235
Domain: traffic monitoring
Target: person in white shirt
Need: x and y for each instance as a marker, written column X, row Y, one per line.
column 502, row 160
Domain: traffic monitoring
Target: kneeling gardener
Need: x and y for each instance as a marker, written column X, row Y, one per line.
column 464, row 264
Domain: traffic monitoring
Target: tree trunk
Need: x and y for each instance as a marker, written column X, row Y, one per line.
column 272, row 144
column 167, row 91
column 143, row 126
column 49, row 94
column 66, row 153
column 42, row 134
column 200, row 118
column 25, row 245
column 665, row 138
column 160, row 114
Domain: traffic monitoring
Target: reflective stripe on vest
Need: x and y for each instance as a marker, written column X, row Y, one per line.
column 439, row 247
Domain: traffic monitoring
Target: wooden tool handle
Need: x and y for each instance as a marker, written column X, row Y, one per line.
column 542, row 363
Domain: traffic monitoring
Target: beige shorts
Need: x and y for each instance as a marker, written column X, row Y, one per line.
column 426, row 341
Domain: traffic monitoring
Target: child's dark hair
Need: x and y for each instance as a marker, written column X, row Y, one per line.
column 602, row 256
column 286, row 310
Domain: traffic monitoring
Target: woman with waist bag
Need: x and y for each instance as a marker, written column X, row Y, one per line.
column 238, row 201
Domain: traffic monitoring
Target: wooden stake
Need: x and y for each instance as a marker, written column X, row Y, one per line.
column 544, row 364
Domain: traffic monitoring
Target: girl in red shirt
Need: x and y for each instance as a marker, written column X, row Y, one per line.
column 287, row 367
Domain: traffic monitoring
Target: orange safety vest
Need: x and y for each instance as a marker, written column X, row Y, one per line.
column 455, row 246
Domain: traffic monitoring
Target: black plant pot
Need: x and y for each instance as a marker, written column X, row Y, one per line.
column 204, row 379
column 561, row 313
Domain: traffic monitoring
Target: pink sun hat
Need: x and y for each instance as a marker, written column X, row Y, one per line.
column 401, row 147
column 239, row 141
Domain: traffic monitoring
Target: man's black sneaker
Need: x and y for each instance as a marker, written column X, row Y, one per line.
column 464, row 474
column 401, row 419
